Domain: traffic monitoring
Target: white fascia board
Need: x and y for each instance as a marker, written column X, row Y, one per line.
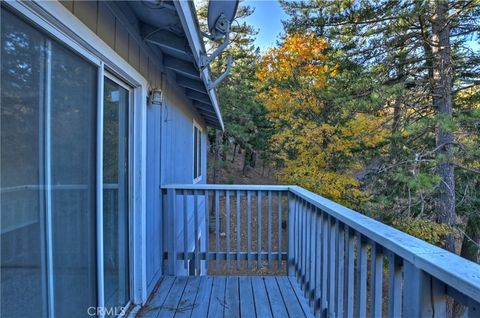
column 190, row 25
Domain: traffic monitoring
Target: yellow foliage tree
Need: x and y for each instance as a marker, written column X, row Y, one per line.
column 318, row 151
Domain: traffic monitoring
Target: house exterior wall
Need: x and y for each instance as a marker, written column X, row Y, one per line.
column 169, row 128
column 177, row 159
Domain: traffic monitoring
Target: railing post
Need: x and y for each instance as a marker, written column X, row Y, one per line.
column 291, row 242
column 171, row 231
column 424, row 296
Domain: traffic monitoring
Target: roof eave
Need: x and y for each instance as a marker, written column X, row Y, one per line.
column 188, row 17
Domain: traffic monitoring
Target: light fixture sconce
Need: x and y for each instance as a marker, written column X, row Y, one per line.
column 155, row 97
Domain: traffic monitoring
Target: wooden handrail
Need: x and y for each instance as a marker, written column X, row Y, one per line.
column 332, row 250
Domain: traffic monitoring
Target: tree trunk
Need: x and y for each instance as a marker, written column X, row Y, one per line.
column 471, row 240
column 442, row 102
column 216, row 172
column 246, row 161
column 234, row 152
column 224, row 147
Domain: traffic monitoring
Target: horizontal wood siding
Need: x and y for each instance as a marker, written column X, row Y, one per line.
column 113, row 30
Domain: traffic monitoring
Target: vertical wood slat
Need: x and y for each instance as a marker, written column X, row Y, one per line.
column 350, row 271
column 279, row 265
column 269, row 226
column 376, row 281
column 437, row 296
column 318, row 261
column 238, row 228
column 259, row 229
column 249, row 229
column 171, row 232
column 207, row 229
column 332, row 265
column 306, row 258
column 227, row 232
column 316, row 255
column 324, row 287
column 424, row 296
column 291, row 235
column 361, row 294
column 312, row 254
column 297, row 238
column 305, row 248
column 303, row 245
column 196, row 225
column 298, row 263
column 394, row 285
column 217, row 228
column 341, row 269
column 185, row 230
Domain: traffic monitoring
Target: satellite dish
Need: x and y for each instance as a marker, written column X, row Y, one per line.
column 220, row 16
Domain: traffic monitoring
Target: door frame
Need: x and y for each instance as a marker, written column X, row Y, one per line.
column 130, row 179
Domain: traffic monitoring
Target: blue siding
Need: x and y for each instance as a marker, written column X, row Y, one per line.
column 153, row 214
column 170, row 148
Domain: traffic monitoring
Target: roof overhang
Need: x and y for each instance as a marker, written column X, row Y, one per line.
column 172, row 29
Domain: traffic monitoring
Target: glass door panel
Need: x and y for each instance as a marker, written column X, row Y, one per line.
column 73, row 170
column 115, row 206
column 47, row 177
column 23, row 262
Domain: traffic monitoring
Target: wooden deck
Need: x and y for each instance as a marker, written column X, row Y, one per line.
column 227, row 296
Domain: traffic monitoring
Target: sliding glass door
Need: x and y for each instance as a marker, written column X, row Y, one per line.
column 50, row 234
column 115, row 184
column 47, row 177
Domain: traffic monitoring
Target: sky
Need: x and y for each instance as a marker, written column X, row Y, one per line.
column 267, row 19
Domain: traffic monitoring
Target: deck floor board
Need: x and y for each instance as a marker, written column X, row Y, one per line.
column 227, row 296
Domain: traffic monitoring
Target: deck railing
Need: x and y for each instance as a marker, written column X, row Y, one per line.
column 348, row 264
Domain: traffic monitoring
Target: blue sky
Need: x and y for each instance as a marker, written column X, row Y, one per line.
column 267, row 20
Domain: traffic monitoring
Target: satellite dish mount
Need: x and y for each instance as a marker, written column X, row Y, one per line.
column 220, row 17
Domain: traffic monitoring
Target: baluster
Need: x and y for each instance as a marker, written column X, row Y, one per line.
column 394, row 285
column 341, row 268
column 279, row 265
column 207, row 230
column 318, row 260
column 195, row 220
column 185, row 230
column 269, row 234
column 297, row 238
column 259, row 229
column 304, row 247
column 324, row 264
column 350, row 270
column 249, row 230
column 332, row 267
column 376, row 281
column 361, row 288
column 217, row 228
column 227, row 207
column 306, row 255
column 311, row 249
column 171, row 232
column 238, row 229
column 291, row 235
